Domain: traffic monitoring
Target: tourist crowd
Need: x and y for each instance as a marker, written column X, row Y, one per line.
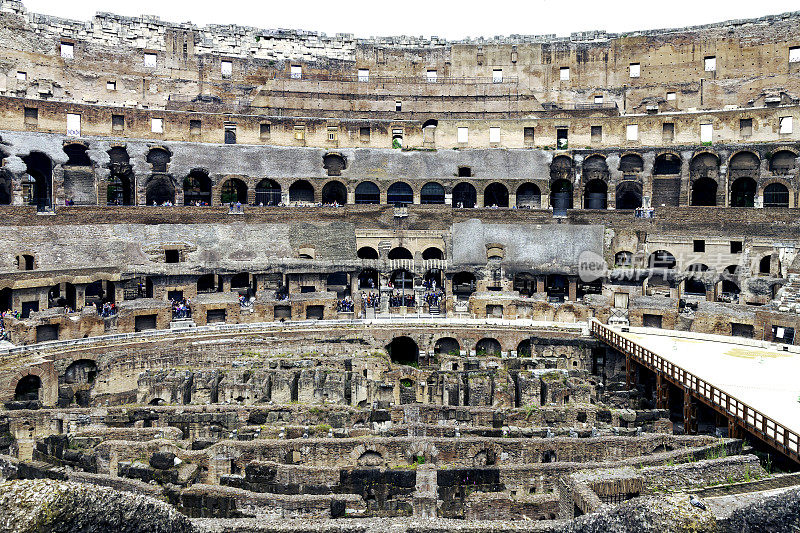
column 181, row 309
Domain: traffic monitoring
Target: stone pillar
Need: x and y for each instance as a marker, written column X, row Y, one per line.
column 573, row 289
column 80, row 296
column 426, row 492
column 512, row 199
column 540, row 284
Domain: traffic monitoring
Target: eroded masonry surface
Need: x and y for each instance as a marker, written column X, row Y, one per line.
column 272, row 280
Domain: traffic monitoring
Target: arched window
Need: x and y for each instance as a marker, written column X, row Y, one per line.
column 400, row 194
column 464, row 195
column 368, row 279
column 159, row 158
column 334, row 164
column 197, row 189
column 595, row 168
column 629, row 195
column 403, row 351
column 268, row 192
column 368, row 193
column 631, row 164
column 743, row 192
column 529, row 195
column 623, row 259
column 400, row 253
column 301, row 191
column 488, row 347
column 402, row 280
column 77, row 156
column 561, row 195
column 495, row 195
column 704, row 192
column 432, row 193
column 160, row 190
column 120, row 181
column 776, row 195
column 334, row 192
column 667, row 164
column 38, row 189
column 704, row 165
column 661, row 259
column 694, row 284
column 232, row 191
column 561, row 168
column 367, row 252
column 447, row 346
column 744, row 164
column 432, row 253
column 27, row 389
column 782, row 162
column 595, row 195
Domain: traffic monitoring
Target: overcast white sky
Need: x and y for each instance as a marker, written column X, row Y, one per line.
column 449, row 19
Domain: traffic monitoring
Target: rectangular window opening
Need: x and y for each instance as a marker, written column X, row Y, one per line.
column 562, row 138
column 111, row 85
column 67, row 50
column 296, row 72
column 363, row 133
column 494, row 135
column 73, row 125
column 564, row 73
column 710, row 63
column 150, row 60
column 785, row 125
column 635, row 70
column 597, row 134
column 668, row 132
column 31, row 116
column 497, row 75
column 671, row 96
column 699, row 245
column 226, row 69
column 363, row 74
column 463, row 135
column 230, row 133
column 398, row 105
column 195, row 127
column 598, row 99
column 794, row 54
column 157, row 125
column 528, row 135
column 333, row 133
column 431, row 76
column 632, row 132
column 299, row 133
column 736, row 247
column 746, row 127
column 22, row 76
column 706, row 133
column 117, row 122
column 265, row 131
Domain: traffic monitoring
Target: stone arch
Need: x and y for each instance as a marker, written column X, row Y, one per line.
column 704, row 164
column 159, row 190
column 623, row 259
column 367, row 193
column 776, row 194
column 489, row 347
column 495, row 195
column 369, row 278
column 484, row 454
column 38, row 190
column 334, row 192
column 421, row 448
column 369, row 455
column 595, row 195
column 301, row 191
column 743, row 192
column 120, row 187
column 667, row 164
column 595, row 167
column 76, row 154
column 782, row 161
column 631, row 164
column 268, row 192
column 400, row 193
column 334, row 163
column 464, row 195
column 743, row 163
column 432, row 193
column 233, row 190
column 628, row 195
column 159, row 157
column 400, row 252
column 661, row 259
column 432, row 252
column 28, row 389
column 529, row 195
column 694, row 282
column 447, row 346
column 704, row 192
column 403, row 351
column 197, row 188
column 81, row 372
column 561, row 168
column 524, row 348
column 561, row 195
column 367, row 252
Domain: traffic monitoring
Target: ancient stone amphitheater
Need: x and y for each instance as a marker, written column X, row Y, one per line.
column 267, row 280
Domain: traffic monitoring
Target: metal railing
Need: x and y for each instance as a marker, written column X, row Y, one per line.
column 773, row 433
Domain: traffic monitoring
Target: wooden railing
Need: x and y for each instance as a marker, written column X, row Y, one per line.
column 773, row 433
